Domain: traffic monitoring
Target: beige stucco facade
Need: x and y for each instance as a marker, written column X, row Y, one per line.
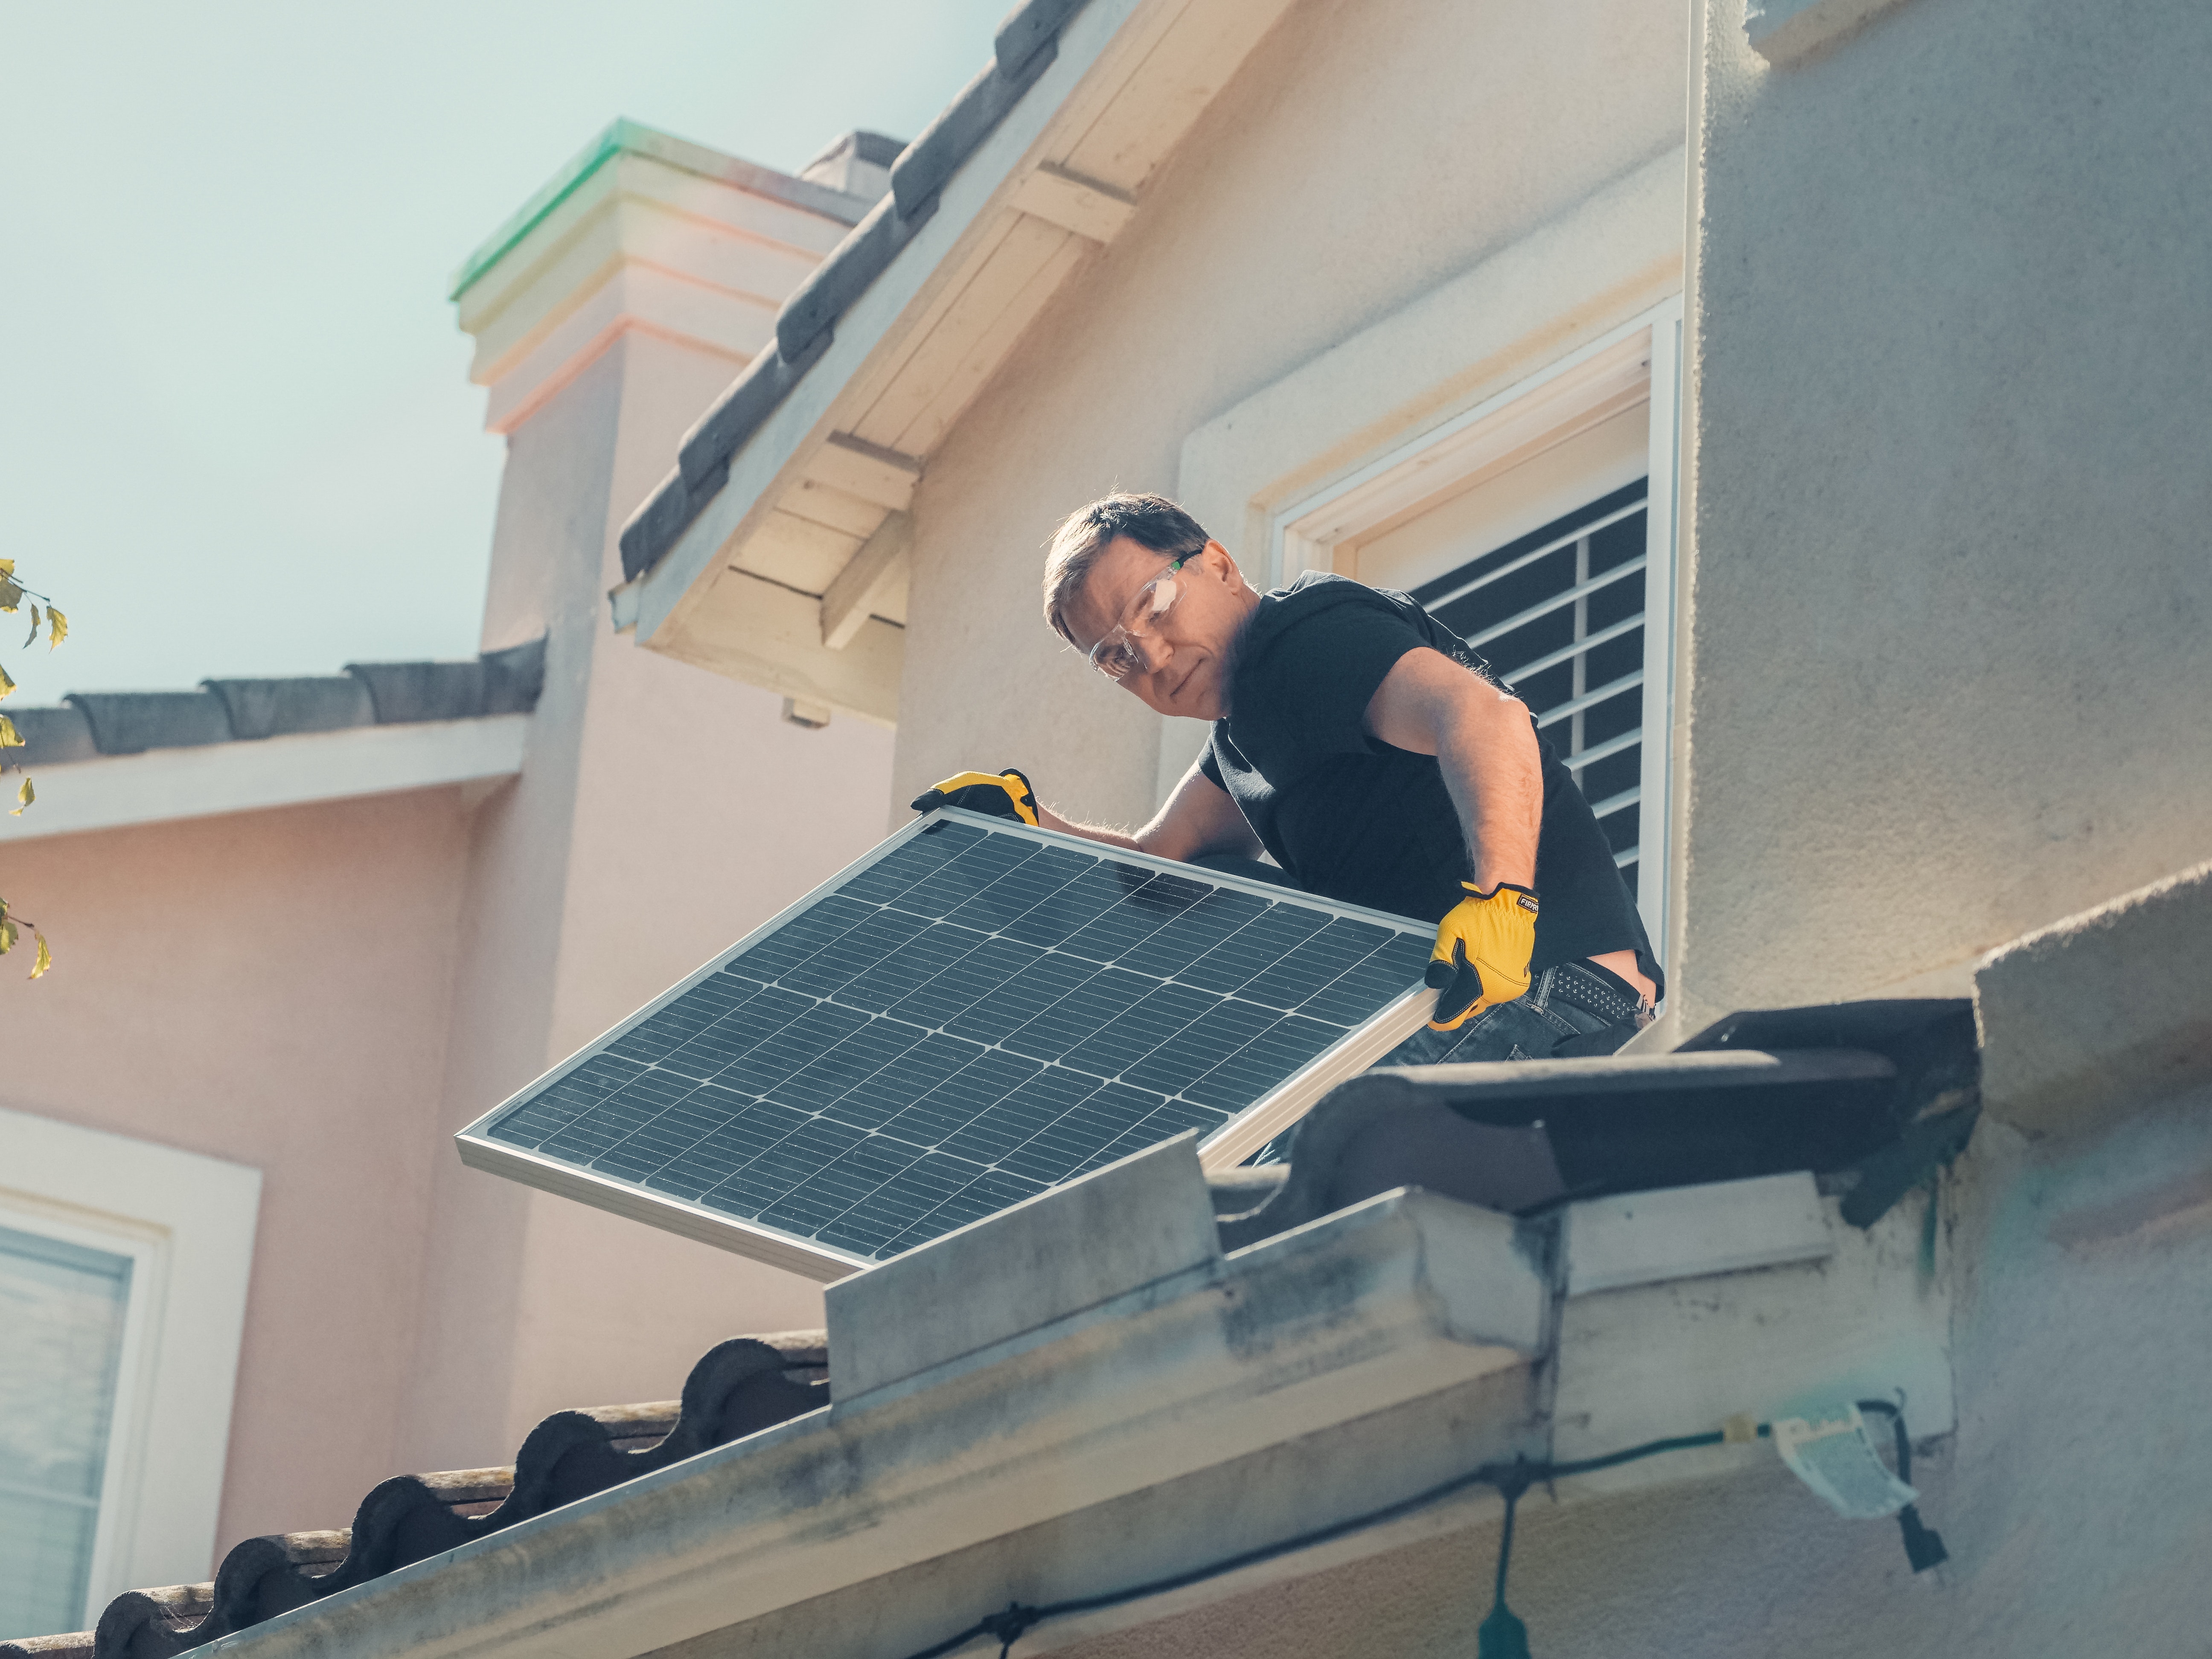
column 1360, row 159
column 1946, row 656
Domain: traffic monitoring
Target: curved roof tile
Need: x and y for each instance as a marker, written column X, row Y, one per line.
column 737, row 1389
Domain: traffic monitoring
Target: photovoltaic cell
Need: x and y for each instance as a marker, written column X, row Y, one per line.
column 972, row 1017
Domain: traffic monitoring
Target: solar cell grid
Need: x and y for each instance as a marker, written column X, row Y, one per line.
column 972, row 1017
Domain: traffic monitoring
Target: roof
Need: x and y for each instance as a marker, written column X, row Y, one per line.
column 737, row 1389
column 1024, row 48
column 90, row 724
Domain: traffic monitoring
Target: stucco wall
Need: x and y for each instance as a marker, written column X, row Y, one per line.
column 1951, row 644
column 1362, row 155
column 663, row 812
column 268, row 988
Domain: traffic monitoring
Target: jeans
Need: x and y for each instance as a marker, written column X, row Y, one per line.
column 1572, row 1001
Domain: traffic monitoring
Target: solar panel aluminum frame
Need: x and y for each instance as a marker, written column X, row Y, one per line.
column 1228, row 1145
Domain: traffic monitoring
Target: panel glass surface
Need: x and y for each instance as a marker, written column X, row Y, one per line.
column 973, row 1018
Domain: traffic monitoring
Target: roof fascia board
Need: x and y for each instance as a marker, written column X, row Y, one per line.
column 773, row 458
column 1343, row 1320
column 161, row 785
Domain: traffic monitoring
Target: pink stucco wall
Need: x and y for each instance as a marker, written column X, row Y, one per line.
column 268, row 987
column 327, row 993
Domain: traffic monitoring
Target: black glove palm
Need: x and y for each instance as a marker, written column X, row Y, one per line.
column 1003, row 794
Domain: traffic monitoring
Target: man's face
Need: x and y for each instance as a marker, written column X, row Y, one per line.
column 1186, row 652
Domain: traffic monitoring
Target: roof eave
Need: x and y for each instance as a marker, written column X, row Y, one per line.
column 734, row 562
column 772, row 459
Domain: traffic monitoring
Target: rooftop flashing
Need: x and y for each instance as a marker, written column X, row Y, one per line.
column 625, row 136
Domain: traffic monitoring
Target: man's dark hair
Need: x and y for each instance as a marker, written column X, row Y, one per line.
column 1152, row 521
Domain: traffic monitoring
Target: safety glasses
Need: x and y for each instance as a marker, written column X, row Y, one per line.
column 1117, row 656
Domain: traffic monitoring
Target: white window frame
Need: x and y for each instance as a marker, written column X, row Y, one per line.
column 1639, row 361
column 187, row 1223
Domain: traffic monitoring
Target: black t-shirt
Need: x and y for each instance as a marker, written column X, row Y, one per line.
column 1352, row 819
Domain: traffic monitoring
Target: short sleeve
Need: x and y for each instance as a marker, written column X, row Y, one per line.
column 1302, row 696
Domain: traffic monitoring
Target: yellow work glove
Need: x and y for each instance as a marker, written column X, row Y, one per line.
column 1003, row 794
column 1481, row 958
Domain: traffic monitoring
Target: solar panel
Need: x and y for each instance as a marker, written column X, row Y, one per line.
column 972, row 1013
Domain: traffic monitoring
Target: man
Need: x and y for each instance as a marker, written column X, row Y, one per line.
column 1362, row 744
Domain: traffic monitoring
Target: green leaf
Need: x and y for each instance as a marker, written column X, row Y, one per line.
column 56, row 627
column 26, row 795
column 9, row 737
column 45, row 959
column 7, row 936
column 6, row 684
column 34, row 628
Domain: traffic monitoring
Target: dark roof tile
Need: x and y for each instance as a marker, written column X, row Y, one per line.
column 50, row 736
column 1029, row 29
column 268, row 709
column 738, row 1388
column 712, row 441
column 833, row 284
column 131, row 722
column 505, row 682
column 91, row 723
column 921, row 170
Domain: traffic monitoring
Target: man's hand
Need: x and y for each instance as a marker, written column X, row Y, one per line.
column 1003, row 794
column 1481, row 958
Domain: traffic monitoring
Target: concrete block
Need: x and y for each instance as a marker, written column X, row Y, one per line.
column 1683, row 1232
column 2095, row 1017
column 1115, row 1231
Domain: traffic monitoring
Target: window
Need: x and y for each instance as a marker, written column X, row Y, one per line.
column 1558, row 616
column 63, row 1307
column 1539, row 527
column 124, row 1267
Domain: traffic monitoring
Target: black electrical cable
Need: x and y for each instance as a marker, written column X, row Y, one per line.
column 1924, row 1545
column 1511, row 1479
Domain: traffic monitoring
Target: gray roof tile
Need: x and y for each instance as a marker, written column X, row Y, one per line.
column 268, row 709
column 966, row 122
column 50, row 736
column 91, row 723
column 131, row 722
column 1029, row 29
column 502, row 683
column 802, row 327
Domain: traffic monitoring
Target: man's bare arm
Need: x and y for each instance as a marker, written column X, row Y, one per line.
column 1430, row 705
column 1199, row 817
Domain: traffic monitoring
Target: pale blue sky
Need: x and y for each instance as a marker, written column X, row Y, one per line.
column 236, row 432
